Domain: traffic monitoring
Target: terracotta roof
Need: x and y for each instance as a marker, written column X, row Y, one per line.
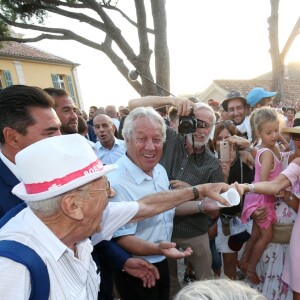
column 291, row 87
column 23, row 51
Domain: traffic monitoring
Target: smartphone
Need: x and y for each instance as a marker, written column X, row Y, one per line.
column 224, row 151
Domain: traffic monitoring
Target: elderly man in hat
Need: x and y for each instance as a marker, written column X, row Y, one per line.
column 67, row 196
column 237, row 107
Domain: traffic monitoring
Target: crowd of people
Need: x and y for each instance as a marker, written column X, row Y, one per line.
column 122, row 194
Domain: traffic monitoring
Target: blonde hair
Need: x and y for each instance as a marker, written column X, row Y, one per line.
column 262, row 115
column 221, row 289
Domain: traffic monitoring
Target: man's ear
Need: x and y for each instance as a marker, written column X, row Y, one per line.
column 70, row 205
column 11, row 137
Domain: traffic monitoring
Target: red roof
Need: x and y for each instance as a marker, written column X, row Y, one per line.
column 23, row 51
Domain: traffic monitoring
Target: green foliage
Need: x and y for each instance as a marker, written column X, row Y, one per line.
column 3, row 29
column 23, row 11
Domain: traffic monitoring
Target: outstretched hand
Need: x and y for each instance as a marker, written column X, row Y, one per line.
column 140, row 268
column 213, row 190
column 169, row 250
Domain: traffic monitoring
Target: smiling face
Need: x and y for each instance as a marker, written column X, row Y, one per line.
column 237, row 111
column 144, row 146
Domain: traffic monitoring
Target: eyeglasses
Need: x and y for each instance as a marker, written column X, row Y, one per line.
column 295, row 137
column 108, row 190
column 202, row 124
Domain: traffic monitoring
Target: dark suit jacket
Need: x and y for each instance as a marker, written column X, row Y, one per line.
column 7, row 181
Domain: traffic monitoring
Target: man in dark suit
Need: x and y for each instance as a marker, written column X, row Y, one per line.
column 27, row 116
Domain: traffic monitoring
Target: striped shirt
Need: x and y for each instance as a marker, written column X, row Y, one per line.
column 70, row 277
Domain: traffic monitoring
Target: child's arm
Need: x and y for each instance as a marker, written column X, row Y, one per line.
column 266, row 160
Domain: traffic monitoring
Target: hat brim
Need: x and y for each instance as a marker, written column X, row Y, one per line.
column 295, row 129
column 225, row 102
column 20, row 191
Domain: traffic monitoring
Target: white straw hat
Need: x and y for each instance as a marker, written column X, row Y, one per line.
column 56, row 165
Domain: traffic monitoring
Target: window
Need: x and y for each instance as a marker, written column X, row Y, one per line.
column 5, row 79
column 64, row 82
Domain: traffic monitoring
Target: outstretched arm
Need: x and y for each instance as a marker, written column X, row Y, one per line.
column 184, row 106
column 154, row 204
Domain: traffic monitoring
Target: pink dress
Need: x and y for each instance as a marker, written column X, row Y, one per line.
column 253, row 201
column 291, row 274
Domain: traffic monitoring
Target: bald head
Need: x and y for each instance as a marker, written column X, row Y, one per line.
column 105, row 130
column 111, row 111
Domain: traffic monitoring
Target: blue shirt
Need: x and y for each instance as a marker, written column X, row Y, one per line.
column 109, row 156
column 131, row 184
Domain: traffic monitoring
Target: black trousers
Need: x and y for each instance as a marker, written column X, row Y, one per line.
column 131, row 288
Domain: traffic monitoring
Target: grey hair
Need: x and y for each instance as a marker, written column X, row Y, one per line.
column 140, row 112
column 49, row 206
column 202, row 105
column 46, row 207
column 221, row 289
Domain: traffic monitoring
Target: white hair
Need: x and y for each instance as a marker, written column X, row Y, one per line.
column 140, row 112
column 221, row 289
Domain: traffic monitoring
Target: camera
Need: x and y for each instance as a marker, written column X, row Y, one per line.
column 188, row 124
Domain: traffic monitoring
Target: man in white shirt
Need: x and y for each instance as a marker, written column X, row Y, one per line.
column 108, row 147
column 67, row 197
column 237, row 107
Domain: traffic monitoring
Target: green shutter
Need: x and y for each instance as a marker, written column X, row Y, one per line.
column 55, row 81
column 70, row 86
column 7, row 76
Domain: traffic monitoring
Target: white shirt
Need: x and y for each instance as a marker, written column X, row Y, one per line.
column 110, row 156
column 245, row 127
column 131, row 184
column 70, row 278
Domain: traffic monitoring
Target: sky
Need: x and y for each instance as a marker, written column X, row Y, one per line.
column 208, row 40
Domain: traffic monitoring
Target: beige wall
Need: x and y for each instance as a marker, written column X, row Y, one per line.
column 37, row 73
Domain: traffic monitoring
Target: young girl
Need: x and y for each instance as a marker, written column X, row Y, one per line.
column 268, row 165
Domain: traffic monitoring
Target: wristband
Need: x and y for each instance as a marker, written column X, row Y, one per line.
column 251, row 188
column 196, row 193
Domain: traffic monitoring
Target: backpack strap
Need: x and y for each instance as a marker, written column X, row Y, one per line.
column 39, row 277
column 11, row 213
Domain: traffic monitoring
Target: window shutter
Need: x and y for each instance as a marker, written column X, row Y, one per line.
column 55, row 81
column 8, row 79
column 70, row 86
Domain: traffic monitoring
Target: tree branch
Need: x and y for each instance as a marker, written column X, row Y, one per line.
column 68, row 4
column 290, row 40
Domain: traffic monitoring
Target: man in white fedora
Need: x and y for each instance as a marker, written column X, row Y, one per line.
column 66, row 190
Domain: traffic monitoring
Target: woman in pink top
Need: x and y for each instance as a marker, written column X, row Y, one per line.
column 289, row 179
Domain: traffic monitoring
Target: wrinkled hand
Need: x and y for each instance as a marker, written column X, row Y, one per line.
column 140, row 268
column 259, row 215
column 169, row 250
column 184, row 106
column 239, row 141
column 213, row 190
column 177, row 184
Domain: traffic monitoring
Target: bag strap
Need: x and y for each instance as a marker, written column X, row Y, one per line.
column 39, row 277
column 11, row 213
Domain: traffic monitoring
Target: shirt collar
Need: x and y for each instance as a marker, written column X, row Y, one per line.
column 138, row 174
column 11, row 166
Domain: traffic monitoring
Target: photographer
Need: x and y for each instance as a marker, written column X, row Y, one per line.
column 188, row 161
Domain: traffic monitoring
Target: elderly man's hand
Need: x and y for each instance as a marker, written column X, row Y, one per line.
column 184, row 107
column 169, row 250
column 213, row 190
column 177, row 184
column 140, row 268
